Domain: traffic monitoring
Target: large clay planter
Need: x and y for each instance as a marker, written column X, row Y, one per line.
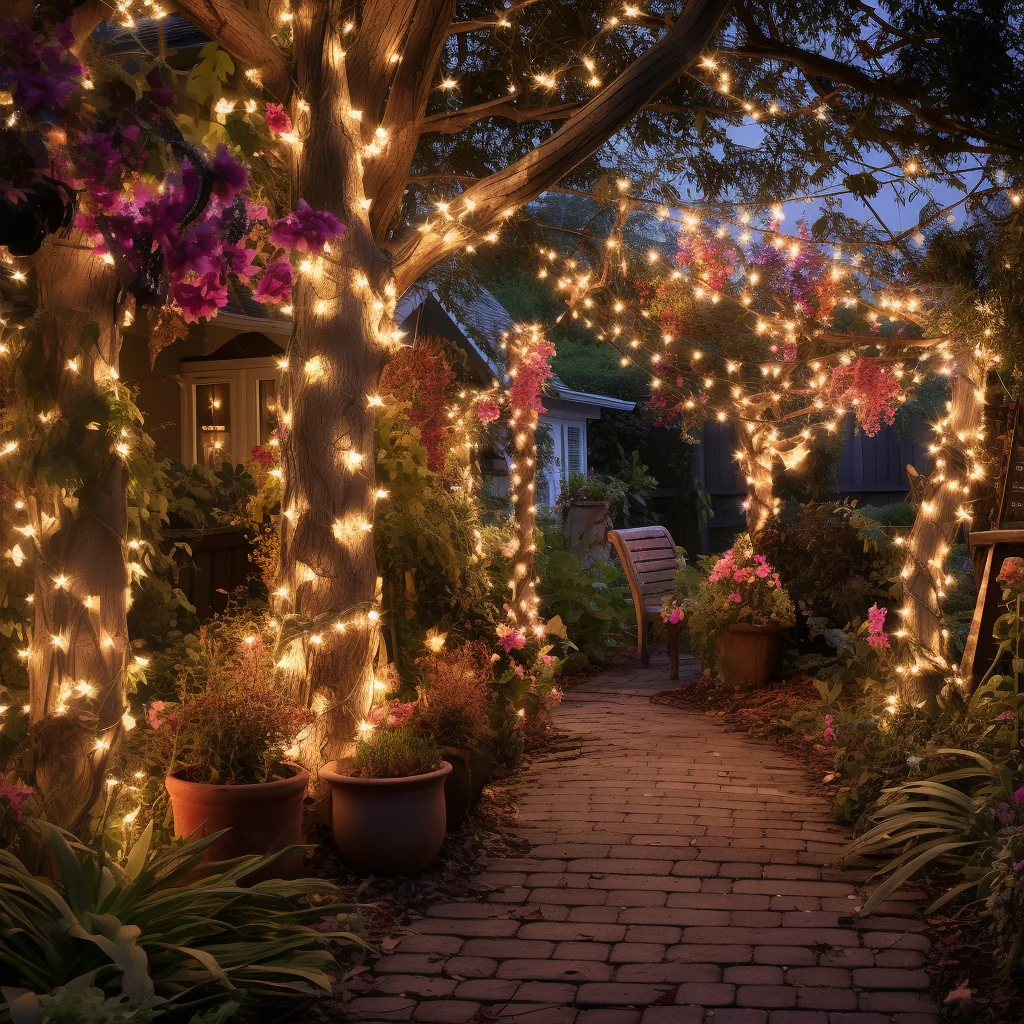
column 470, row 771
column 387, row 826
column 747, row 655
column 262, row 818
column 585, row 528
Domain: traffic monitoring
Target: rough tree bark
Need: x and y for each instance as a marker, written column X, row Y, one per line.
column 755, row 462
column 334, row 360
column 77, row 660
column 937, row 523
column 523, row 425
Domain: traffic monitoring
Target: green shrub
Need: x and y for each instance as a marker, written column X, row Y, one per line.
column 591, row 599
column 834, row 561
column 395, row 753
column 158, row 929
column 898, row 513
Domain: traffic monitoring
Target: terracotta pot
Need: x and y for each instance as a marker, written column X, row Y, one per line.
column 471, row 768
column 262, row 818
column 585, row 527
column 747, row 655
column 387, row 826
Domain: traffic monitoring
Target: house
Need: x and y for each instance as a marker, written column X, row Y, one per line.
column 476, row 326
column 211, row 396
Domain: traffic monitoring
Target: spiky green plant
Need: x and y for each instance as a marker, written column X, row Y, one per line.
column 161, row 929
column 941, row 820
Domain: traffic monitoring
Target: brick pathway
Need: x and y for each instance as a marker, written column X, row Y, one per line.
column 680, row 874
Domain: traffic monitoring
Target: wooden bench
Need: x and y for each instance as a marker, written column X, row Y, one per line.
column 648, row 556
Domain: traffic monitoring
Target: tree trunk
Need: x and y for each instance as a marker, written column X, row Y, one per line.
column 342, row 311
column 523, row 469
column 755, row 463
column 78, row 656
column 947, row 493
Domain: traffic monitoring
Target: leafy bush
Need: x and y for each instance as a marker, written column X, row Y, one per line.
column 592, row 600
column 835, row 562
column 198, row 497
column 159, row 930
column 898, row 513
column 454, row 698
column 395, row 753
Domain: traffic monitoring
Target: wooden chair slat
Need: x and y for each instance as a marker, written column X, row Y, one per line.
column 656, row 565
column 648, row 556
column 652, row 544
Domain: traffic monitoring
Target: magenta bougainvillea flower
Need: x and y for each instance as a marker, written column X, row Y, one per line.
column 877, row 636
column 201, row 298
column 275, row 283
column 229, row 176
column 306, row 230
column 511, row 639
column 277, row 120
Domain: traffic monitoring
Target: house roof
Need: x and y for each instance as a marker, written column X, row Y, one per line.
column 481, row 320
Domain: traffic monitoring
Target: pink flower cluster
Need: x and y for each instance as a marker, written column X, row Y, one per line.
column 869, row 387
column 829, row 734
column 877, row 636
column 182, row 238
column 487, row 410
column 160, row 713
column 1011, row 572
column 726, row 568
column 14, row 797
column 392, row 713
column 511, row 639
column 532, row 371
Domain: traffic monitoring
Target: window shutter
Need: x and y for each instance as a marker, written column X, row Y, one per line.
column 574, row 464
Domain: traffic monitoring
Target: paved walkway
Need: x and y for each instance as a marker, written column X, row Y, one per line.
column 680, row 874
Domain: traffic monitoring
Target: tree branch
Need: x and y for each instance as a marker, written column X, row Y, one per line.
column 818, row 65
column 486, row 202
column 231, row 25
column 460, row 27
column 384, row 180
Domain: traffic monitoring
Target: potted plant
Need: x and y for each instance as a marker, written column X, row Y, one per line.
column 583, row 505
column 737, row 617
column 453, row 710
column 225, row 739
column 387, row 804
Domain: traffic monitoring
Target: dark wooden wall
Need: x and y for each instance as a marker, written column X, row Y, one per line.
column 873, row 471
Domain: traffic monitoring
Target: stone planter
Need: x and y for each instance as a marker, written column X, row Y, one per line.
column 387, row 826
column 262, row 818
column 747, row 655
column 585, row 527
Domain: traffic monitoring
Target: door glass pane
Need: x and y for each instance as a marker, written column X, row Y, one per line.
column 268, row 409
column 213, row 424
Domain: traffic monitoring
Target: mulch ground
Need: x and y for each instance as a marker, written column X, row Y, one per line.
column 960, row 960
